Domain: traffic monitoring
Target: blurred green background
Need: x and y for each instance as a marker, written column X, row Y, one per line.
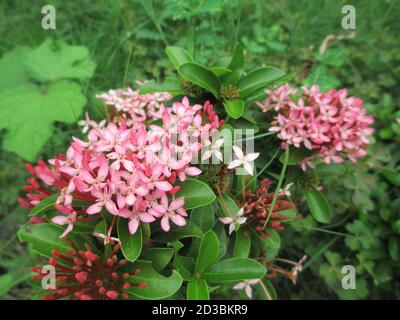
column 126, row 40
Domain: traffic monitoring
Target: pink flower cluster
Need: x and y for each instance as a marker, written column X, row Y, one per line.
column 129, row 171
column 135, row 106
column 330, row 123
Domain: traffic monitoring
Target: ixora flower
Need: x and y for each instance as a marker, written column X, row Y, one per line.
column 84, row 275
column 135, row 106
column 213, row 149
column 246, row 285
column 243, row 160
column 235, row 220
column 257, row 208
column 130, row 171
column 331, row 124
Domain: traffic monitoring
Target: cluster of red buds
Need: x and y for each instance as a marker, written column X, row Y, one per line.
column 83, row 275
column 257, row 208
column 211, row 116
column 58, row 180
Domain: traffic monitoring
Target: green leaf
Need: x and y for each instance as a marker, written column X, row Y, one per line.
column 46, row 237
column 228, row 204
column 235, row 269
column 158, row 286
column 44, row 205
column 234, row 108
column 160, row 257
column 12, row 69
column 203, row 217
column 271, row 242
column 197, row 289
column 173, row 86
column 176, row 233
column 201, row 77
column 131, row 244
column 185, row 266
column 258, row 79
column 391, row 175
column 319, row 206
column 28, row 114
column 49, row 62
column 237, row 61
column 208, row 251
column 242, row 244
column 219, row 71
column 178, row 56
column 222, row 62
column 196, row 193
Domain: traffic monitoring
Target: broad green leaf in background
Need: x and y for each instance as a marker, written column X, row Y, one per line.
column 242, row 243
column 197, row 289
column 131, row 244
column 12, row 69
column 319, row 206
column 158, row 286
column 258, row 79
column 50, row 62
column 28, row 113
column 201, row 77
column 208, row 251
column 173, row 86
column 159, row 257
column 196, row 193
column 234, row 269
column 178, row 56
column 234, row 108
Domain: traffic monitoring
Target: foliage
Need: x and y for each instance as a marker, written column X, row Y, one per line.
column 353, row 218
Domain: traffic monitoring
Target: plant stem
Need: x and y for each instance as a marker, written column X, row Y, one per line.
column 278, row 186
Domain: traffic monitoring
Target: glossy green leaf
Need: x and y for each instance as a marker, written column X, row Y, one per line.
column 196, row 193
column 242, row 243
column 237, row 61
column 319, row 206
column 197, row 289
column 45, row 237
column 177, row 232
column 271, row 242
column 158, row 286
column 228, row 205
column 208, row 251
column 178, row 56
column 258, row 79
column 201, row 77
column 160, row 257
column 219, row 71
column 204, row 217
column 235, row 269
column 185, row 266
column 44, row 205
column 131, row 244
column 234, row 108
